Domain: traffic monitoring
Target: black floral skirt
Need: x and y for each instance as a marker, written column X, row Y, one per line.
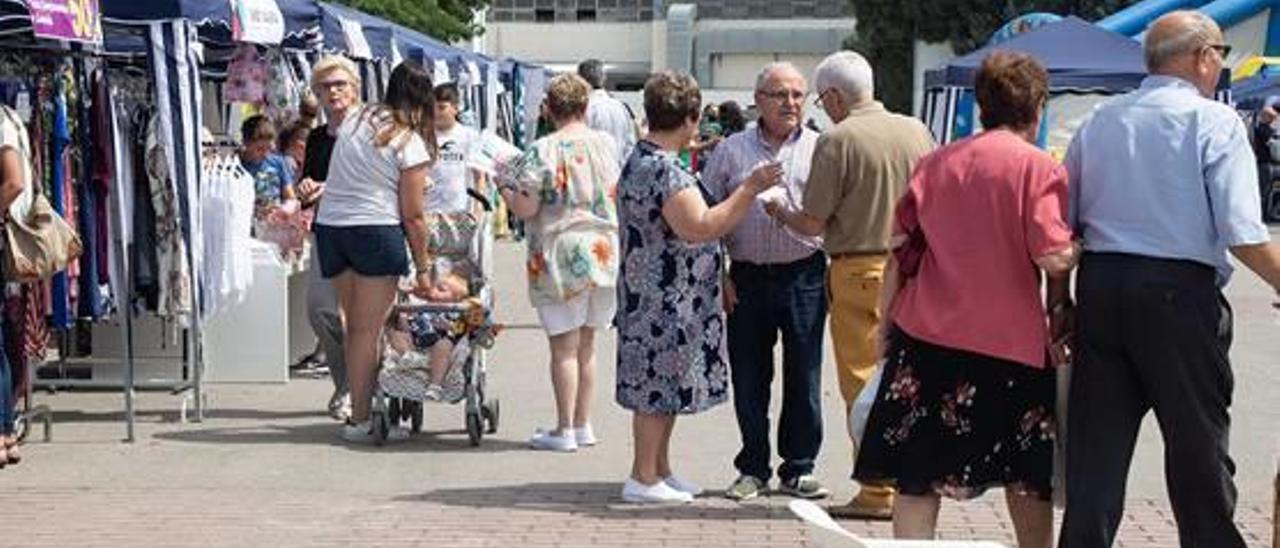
column 955, row 423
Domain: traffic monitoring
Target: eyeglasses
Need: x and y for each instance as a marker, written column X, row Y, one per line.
column 1223, row 49
column 332, row 85
column 817, row 101
column 783, row 95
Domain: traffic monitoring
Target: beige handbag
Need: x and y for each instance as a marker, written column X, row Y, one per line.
column 40, row 245
column 38, row 242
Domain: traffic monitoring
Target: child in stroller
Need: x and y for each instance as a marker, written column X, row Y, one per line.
column 436, row 332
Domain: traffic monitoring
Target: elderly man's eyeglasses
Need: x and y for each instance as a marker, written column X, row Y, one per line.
column 817, row 101
column 784, row 95
column 1223, row 49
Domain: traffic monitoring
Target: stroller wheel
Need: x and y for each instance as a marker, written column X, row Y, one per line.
column 381, row 428
column 474, row 429
column 415, row 416
column 490, row 410
column 395, row 411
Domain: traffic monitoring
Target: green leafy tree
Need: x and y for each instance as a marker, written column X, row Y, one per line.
column 448, row 20
column 887, row 30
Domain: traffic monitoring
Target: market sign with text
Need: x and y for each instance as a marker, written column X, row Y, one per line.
column 257, row 22
column 73, row 20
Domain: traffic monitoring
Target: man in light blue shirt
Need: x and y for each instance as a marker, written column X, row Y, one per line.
column 1163, row 185
column 606, row 113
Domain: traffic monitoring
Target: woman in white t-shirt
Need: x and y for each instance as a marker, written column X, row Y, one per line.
column 450, row 177
column 373, row 202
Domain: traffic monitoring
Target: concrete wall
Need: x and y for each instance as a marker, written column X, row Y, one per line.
column 739, row 70
column 556, row 43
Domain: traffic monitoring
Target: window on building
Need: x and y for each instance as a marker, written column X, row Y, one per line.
column 586, row 15
column 544, row 16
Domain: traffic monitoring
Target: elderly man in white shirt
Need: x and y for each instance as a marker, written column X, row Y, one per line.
column 606, row 113
column 1163, row 188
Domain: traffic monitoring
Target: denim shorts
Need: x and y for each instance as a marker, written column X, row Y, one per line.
column 368, row 250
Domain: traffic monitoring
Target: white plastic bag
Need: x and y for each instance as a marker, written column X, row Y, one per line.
column 861, row 409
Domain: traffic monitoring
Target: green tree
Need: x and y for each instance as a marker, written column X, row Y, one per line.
column 447, row 20
column 887, row 30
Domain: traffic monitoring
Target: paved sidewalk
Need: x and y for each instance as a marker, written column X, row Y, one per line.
column 267, row 469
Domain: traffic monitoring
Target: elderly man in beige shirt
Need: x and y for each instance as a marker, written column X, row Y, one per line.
column 860, row 169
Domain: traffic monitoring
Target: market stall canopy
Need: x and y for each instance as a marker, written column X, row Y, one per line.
column 218, row 22
column 1076, row 53
column 356, row 33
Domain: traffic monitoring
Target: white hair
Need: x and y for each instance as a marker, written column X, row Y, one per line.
column 773, row 68
column 846, row 72
column 1197, row 31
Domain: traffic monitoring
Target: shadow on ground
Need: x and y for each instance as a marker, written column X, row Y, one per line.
column 602, row 500
column 328, row 434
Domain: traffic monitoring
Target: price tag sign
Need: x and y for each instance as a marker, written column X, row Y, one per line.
column 257, row 22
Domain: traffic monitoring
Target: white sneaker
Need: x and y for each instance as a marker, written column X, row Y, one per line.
column 682, row 486
column 340, row 406
column 549, row 441
column 658, row 493
column 434, row 392
column 363, row 433
column 586, row 436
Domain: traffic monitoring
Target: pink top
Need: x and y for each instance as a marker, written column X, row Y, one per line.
column 988, row 206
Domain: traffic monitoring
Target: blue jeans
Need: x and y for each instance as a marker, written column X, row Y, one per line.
column 789, row 299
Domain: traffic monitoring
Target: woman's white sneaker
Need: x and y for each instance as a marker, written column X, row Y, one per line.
column 586, row 436
column 682, row 486
column 550, row 441
column 658, row 493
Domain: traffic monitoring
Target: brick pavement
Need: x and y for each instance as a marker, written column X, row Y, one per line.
column 537, row 515
column 267, row 469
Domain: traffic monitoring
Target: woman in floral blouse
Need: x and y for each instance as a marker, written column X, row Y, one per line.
column 565, row 192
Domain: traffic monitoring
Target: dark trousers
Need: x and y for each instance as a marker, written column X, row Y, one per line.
column 1152, row 334
column 789, row 299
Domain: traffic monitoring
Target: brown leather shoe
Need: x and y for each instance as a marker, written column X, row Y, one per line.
column 859, row 509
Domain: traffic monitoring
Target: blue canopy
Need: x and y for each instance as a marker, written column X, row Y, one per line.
column 1251, row 92
column 1076, row 53
column 213, row 18
column 377, row 32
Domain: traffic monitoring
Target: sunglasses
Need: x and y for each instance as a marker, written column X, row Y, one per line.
column 1222, row 49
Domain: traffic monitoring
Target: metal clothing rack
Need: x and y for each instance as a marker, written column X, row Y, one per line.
column 190, row 386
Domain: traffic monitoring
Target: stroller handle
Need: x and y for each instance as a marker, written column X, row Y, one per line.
column 431, row 307
column 484, row 202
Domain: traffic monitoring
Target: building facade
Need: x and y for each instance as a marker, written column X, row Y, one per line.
column 721, row 42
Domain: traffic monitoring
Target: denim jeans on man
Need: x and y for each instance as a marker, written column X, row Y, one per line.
column 789, row 299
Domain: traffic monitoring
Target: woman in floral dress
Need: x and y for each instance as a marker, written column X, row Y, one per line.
column 565, row 190
column 966, row 400
column 672, row 358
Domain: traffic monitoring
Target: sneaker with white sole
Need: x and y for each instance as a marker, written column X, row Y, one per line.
column 658, row 493
column 585, row 435
column 340, row 406
column 434, row 392
column 675, row 482
column 745, row 488
column 363, row 433
column 550, row 441
column 804, row 487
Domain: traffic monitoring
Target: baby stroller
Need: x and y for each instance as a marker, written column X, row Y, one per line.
column 466, row 242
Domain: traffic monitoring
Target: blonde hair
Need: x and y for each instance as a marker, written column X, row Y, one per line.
column 331, row 63
column 567, row 96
